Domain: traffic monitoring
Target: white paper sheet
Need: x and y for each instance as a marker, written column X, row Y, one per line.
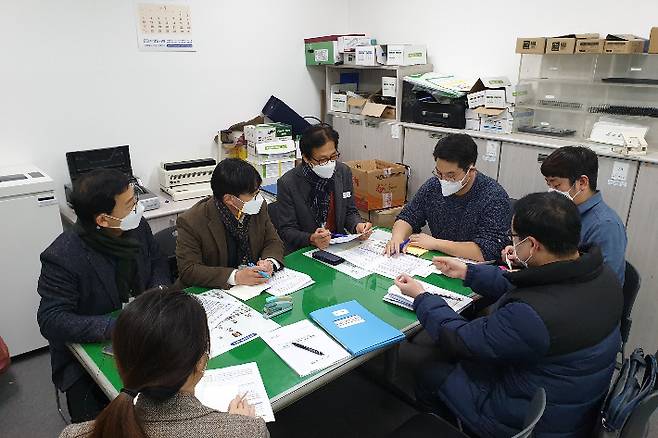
column 245, row 293
column 431, row 269
column 218, row 387
column 456, row 301
column 305, row 333
column 230, row 329
column 346, row 267
column 287, row 281
column 344, row 239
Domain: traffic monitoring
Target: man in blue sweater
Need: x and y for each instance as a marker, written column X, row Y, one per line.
column 467, row 212
column 555, row 325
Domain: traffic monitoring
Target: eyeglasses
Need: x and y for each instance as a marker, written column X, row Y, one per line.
column 136, row 191
column 511, row 234
column 323, row 161
column 448, row 177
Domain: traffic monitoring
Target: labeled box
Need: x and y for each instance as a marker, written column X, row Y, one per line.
column 560, row 46
column 405, row 54
column 590, row 45
column 389, row 86
column 348, row 43
column 273, row 169
column 624, row 43
column 366, row 55
column 339, row 96
column 266, row 132
column 378, row 184
column 490, row 92
column 382, row 218
column 272, row 150
column 653, row 40
column 531, row 45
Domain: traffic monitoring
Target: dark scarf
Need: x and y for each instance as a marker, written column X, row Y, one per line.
column 321, row 189
column 123, row 250
column 238, row 230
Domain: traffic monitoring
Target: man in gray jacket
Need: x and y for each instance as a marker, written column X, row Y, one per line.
column 315, row 199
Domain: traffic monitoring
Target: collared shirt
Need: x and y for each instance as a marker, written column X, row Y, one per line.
column 482, row 215
column 602, row 226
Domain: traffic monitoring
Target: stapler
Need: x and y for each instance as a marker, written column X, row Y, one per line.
column 275, row 306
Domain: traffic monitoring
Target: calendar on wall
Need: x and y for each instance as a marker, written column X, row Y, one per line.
column 164, row 26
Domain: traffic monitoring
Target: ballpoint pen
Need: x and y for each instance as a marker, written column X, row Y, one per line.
column 304, row 347
column 404, row 243
column 262, row 273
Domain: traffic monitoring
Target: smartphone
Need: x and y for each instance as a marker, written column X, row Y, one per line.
column 108, row 350
column 328, row 258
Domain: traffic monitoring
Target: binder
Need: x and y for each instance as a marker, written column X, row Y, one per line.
column 355, row 328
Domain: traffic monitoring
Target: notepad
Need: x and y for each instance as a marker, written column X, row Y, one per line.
column 456, row 301
column 218, row 387
column 355, row 328
column 415, row 250
column 304, row 361
column 283, row 282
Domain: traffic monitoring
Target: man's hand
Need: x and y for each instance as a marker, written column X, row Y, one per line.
column 266, row 266
column 250, row 276
column 365, row 229
column 450, row 267
column 240, row 406
column 320, row 238
column 423, row 240
column 409, row 286
column 393, row 246
column 508, row 253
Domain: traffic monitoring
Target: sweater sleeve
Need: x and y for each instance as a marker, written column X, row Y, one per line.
column 414, row 212
column 492, row 225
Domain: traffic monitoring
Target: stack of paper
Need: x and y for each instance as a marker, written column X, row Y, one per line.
column 218, row 387
column 344, row 239
column 283, row 282
column 456, row 301
column 231, row 323
column 314, row 350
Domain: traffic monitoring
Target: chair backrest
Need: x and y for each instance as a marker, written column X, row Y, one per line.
column 637, row 425
column 632, row 282
column 166, row 240
column 532, row 417
column 272, row 211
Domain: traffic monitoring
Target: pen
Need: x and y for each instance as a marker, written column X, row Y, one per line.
column 448, row 297
column 304, row 347
column 335, row 235
column 262, row 273
column 404, row 243
column 509, row 264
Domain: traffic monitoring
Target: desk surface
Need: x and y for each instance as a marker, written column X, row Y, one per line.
column 282, row 384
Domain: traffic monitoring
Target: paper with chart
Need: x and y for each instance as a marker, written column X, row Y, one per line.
column 287, row 281
column 456, row 301
column 346, row 267
column 218, row 387
column 164, row 26
column 306, row 334
column 231, row 323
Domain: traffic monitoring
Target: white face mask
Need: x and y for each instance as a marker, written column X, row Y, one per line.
column 567, row 193
column 325, row 170
column 523, row 262
column 451, row 187
column 132, row 219
column 253, row 206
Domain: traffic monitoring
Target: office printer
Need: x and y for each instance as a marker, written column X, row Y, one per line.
column 187, row 179
column 117, row 157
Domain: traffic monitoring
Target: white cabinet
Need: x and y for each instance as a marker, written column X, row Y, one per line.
column 642, row 252
column 367, row 139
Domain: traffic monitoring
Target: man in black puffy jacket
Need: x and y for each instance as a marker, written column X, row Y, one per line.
column 555, row 325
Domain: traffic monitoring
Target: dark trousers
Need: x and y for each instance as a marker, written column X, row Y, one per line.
column 85, row 400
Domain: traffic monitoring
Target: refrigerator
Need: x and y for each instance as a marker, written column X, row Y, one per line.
column 29, row 222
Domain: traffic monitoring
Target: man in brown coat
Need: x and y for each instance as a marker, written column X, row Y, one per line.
column 228, row 238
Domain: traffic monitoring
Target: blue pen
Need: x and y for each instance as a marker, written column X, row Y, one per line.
column 335, row 235
column 262, row 273
column 404, row 243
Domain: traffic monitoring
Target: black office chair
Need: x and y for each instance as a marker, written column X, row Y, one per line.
column 273, row 212
column 167, row 242
column 632, row 283
column 637, row 425
column 512, row 201
column 431, row 425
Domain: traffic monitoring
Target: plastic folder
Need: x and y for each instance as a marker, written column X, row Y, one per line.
column 355, row 328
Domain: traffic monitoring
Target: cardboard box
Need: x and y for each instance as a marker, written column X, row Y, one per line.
column 590, row 45
column 349, row 43
column 272, row 149
column 624, row 43
column 372, row 109
column 389, row 86
column 273, row 169
column 366, row 55
column 406, row 54
column 560, row 46
column 355, row 103
column 530, row 45
column 382, row 218
column 378, row 184
column 323, row 50
column 653, row 40
column 338, row 96
column 489, row 92
column 499, row 124
column 265, row 132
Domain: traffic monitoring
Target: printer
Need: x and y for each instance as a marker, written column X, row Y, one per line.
column 117, row 157
column 187, row 179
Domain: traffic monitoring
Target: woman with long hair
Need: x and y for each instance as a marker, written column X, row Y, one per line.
column 161, row 345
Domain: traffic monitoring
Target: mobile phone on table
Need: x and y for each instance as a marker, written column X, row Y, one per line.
column 327, row 257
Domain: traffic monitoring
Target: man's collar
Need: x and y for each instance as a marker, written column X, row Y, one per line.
column 595, row 199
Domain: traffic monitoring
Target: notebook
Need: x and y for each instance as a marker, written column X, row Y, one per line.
column 355, row 328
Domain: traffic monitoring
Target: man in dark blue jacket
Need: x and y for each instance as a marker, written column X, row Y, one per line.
column 108, row 257
column 555, row 325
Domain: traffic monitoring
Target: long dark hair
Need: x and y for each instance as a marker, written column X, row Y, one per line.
column 158, row 339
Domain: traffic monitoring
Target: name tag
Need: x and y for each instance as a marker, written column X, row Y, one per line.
column 347, row 195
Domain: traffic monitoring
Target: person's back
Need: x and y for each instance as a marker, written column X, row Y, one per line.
column 161, row 343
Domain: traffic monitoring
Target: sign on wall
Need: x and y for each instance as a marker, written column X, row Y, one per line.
column 164, row 27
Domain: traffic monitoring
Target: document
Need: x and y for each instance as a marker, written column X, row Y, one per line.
column 431, row 269
column 287, row 281
column 344, row 239
column 456, row 301
column 245, row 293
column 231, row 323
column 346, row 267
column 218, row 387
column 305, row 347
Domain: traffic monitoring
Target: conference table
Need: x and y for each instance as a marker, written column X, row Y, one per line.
column 283, row 385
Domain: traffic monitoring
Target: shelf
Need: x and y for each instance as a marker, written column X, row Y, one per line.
column 428, row 67
column 597, row 83
column 551, row 108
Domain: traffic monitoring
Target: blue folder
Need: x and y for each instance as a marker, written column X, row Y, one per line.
column 355, row 328
column 271, row 189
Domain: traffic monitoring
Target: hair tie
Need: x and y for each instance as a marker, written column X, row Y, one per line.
column 130, row 392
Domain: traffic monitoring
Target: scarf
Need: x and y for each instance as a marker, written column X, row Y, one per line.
column 123, row 250
column 321, row 189
column 238, row 230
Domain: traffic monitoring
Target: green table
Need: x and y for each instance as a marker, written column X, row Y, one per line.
column 282, row 384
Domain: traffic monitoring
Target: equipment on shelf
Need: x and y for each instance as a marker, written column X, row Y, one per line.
column 547, row 130
column 421, row 106
column 559, row 104
column 625, row 110
column 187, row 179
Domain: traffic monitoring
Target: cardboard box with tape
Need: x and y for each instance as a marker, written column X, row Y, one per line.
column 624, row 43
column 378, row 184
column 531, row 45
column 653, row 40
column 382, row 218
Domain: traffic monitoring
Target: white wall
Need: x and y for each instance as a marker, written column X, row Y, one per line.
column 73, row 78
column 475, row 37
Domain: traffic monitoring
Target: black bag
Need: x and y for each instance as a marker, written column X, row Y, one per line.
column 420, row 106
column 277, row 110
